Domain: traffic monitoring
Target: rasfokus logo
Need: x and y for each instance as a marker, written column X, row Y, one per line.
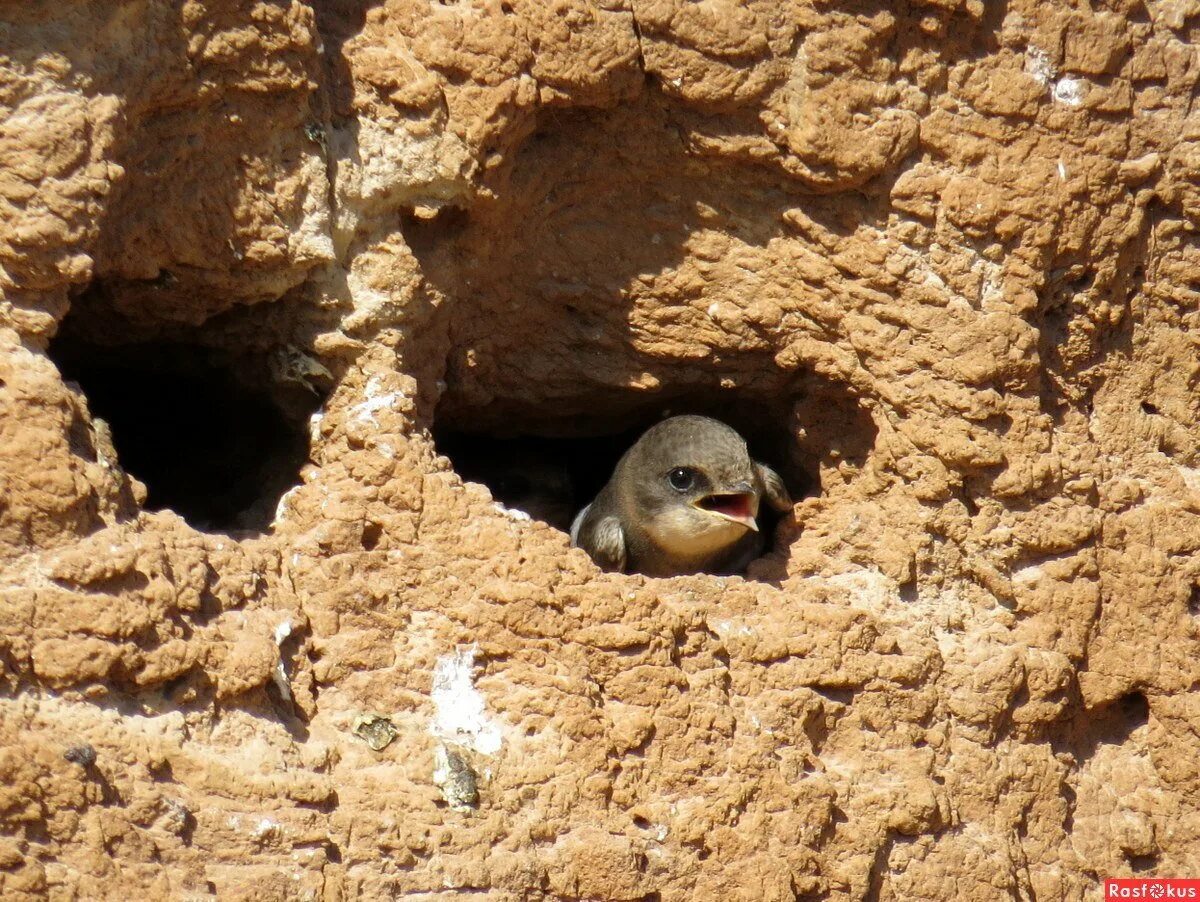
column 1152, row 888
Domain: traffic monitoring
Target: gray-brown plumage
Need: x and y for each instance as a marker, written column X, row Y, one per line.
column 683, row 499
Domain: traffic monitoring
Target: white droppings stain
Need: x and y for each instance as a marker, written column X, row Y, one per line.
column 285, row 503
column 512, row 513
column 279, row 675
column 266, row 827
column 712, row 309
column 1062, row 170
column 991, row 289
column 364, row 411
column 726, row 628
column 1027, row 577
column 386, row 450
column 867, row 586
column 1068, row 91
column 314, row 425
column 1037, row 64
column 677, row 82
column 460, row 711
column 279, row 678
column 661, row 832
column 1191, row 478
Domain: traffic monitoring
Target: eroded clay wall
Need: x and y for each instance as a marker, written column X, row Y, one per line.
column 942, row 254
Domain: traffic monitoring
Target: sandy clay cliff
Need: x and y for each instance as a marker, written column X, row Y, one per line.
column 294, row 295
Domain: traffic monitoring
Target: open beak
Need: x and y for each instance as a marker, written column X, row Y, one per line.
column 739, row 506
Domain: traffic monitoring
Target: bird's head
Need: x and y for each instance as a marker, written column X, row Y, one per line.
column 692, row 485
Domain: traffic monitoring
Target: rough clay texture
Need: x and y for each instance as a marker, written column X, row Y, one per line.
column 948, row 245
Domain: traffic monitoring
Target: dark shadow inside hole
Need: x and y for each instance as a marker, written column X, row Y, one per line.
column 200, row 427
column 540, row 475
column 1141, row 864
column 549, row 468
column 426, row 228
column 371, row 534
column 1110, row 723
column 1132, row 710
column 551, row 477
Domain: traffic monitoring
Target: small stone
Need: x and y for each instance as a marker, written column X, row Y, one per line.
column 375, row 730
column 456, row 778
column 83, row 755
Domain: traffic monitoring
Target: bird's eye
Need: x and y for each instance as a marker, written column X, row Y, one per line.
column 682, row 478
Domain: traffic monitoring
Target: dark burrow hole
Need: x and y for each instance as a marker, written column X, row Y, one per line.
column 572, row 334
column 1112, row 723
column 1134, row 709
column 1141, row 864
column 550, row 468
column 208, row 432
column 371, row 534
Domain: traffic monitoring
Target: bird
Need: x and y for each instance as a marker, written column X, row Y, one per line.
column 683, row 499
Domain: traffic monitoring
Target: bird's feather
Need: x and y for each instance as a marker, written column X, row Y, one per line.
column 577, row 525
column 608, row 544
column 645, row 520
column 601, row 537
column 774, row 490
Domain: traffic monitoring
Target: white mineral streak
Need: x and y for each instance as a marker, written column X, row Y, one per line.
column 461, row 713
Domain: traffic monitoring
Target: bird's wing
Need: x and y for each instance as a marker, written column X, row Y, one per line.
column 774, row 490
column 605, row 542
column 602, row 539
column 577, row 524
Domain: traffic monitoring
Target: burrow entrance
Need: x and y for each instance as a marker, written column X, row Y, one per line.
column 550, row 467
column 211, row 431
column 610, row 278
